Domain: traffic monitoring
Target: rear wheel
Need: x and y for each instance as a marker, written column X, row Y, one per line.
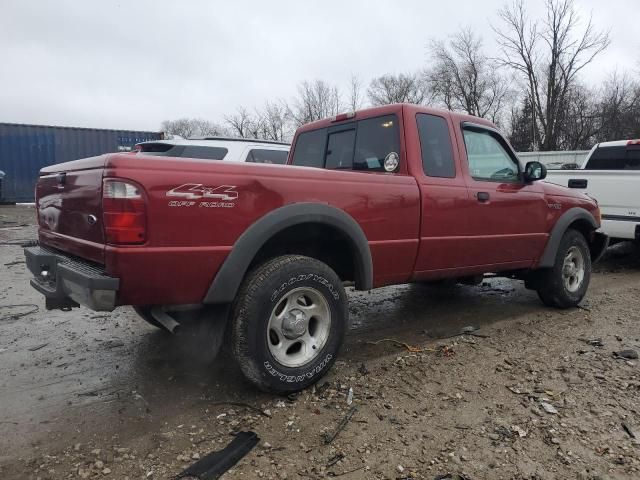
column 566, row 283
column 289, row 321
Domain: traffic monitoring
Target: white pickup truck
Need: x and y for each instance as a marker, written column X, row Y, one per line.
column 611, row 175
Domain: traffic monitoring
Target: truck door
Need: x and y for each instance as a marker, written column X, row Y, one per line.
column 443, row 195
column 507, row 217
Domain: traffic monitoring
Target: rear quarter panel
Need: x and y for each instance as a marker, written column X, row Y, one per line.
column 189, row 239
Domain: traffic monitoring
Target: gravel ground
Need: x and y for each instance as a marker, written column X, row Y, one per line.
column 533, row 393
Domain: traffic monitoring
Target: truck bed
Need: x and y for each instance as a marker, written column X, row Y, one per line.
column 616, row 192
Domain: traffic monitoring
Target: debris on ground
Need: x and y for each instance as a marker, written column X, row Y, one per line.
column 446, row 351
column 350, row 396
column 452, row 476
column 32, row 308
column 626, row 354
column 629, row 430
column 213, row 465
column 329, row 438
column 410, row 348
column 547, row 407
column 594, row 342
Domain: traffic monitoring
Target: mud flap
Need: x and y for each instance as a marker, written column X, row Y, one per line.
column 203, row 334
column 212, row 466
column 597, row 245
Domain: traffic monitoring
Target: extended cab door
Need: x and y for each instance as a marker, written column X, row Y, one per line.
column 443, row 193
column 507, row 217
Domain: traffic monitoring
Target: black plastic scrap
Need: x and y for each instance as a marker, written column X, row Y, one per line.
column 328, row 438
column 213, row 465
column 626, row 354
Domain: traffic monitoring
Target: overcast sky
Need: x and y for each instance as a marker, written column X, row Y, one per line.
column 132, row 64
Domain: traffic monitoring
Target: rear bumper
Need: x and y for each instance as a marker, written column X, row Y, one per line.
column 622, row 228
column 67, row 281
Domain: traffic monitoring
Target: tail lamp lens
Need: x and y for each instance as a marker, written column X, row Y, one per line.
column 125, row 213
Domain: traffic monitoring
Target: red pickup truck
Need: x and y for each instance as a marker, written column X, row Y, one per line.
column 388, row 195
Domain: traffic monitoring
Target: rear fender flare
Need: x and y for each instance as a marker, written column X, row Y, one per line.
column 227, row 281
column 572, row 215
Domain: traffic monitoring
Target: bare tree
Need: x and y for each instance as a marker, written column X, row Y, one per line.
column 183, row 127
column 619, row 108
column 208, row 128
column 463, row 78
column 522, row 132
column 240, row 123
column 275, row 121
column 388, row 88
column 355, row 100
column 191, row 127
column 579, row 121
column 316, row 100
column 548, row 55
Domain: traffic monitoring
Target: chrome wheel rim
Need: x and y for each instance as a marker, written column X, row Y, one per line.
column 573, row 269
column 299, row 327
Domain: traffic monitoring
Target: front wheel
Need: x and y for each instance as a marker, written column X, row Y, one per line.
column 565, row 284
column 289, row 320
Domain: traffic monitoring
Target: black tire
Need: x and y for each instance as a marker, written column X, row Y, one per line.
column 552, row 288
column 264, row 289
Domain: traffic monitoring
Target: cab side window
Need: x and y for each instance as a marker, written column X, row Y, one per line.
column 377, row 138
column 488, row 159
column 437, row 152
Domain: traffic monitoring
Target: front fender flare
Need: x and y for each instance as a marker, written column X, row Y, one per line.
column 572, row 215
column 227, row 281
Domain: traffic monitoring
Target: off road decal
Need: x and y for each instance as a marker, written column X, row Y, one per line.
column 298, row 378
column 222, row 196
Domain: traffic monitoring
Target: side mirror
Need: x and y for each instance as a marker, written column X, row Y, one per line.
column 534, row 171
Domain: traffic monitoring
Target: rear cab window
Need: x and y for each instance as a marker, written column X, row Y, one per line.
column 362, row 145
column 615, row 158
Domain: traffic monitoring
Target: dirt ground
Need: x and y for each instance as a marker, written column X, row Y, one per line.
column 533, row 393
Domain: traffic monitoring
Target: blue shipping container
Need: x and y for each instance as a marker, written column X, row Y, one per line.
column 25, row 149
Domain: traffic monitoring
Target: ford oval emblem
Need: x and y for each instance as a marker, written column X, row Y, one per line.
column 92, row 219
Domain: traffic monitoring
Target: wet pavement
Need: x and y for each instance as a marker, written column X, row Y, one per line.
column 68, row 377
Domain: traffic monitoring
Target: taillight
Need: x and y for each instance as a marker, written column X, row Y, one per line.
column 124, row 213
column 633, row 142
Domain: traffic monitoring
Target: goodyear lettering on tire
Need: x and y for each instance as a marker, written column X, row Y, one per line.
column 301, row 278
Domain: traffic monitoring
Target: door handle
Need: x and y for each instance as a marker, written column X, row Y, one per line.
column 578, row 183
column 482, row 197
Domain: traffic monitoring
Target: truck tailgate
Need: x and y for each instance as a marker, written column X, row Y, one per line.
column 69, row 205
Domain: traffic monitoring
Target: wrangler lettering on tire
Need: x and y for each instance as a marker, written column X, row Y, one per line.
column 288, row 323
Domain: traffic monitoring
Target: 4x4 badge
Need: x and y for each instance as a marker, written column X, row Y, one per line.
column 196, row 191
